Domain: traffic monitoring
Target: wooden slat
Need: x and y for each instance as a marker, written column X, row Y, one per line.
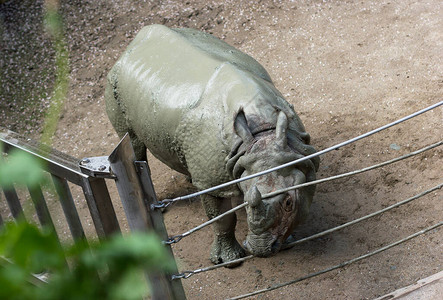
column 65, row 197
column 32, row 278
column 14, row 203
column 41, row 208
column 132, row 197
column 100, row 206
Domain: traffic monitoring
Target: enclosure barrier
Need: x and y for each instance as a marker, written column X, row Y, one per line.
column 187, row 274
column 62, row 169
column 167, row 202
column 139, row 201
column 356, row 259
column 177, row 238
column 133, row 183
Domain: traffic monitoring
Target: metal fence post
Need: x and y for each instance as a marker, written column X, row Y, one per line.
column 133, row 198
column 150, row 199
column 100, row 205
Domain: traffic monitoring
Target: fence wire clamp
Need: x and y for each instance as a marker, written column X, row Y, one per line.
column 162, row 204
column 183, row 275
column 173, row 239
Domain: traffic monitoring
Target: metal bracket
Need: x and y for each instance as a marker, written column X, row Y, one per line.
column 96, row 167
column 172, row 240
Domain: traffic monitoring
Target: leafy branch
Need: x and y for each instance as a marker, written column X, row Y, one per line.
column 112, row 269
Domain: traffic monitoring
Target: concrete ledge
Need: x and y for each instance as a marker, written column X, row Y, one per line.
column 429, row 288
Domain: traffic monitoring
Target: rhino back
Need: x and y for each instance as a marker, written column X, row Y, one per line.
column 206, row 133
column 162, row 75
column 222, row 52
column 179, row 90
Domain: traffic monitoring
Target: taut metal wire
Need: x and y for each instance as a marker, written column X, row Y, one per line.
column 187, row 274
column 356, row 259
column 167, row 202
column 177, row 238
column 385, row 163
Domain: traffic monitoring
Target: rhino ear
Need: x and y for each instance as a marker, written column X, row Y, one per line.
column 241, row 127
column 280, row 130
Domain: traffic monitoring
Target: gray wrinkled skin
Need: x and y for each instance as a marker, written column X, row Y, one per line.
column 212, row 112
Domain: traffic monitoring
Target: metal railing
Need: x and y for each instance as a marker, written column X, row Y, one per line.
column 133, row 183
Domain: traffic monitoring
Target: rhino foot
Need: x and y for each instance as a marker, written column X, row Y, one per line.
column 288, row 243
column 225, row 249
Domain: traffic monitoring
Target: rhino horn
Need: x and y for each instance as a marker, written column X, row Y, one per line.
column 254, row 198
column 241, row 127
column 280, row 130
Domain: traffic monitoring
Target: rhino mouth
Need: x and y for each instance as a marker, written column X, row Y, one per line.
column 262, row 245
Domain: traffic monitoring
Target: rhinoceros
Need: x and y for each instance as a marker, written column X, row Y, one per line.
column 212, row 112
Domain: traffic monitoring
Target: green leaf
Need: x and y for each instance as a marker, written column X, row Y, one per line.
column 21, row 168
column 131, row 286
column 141, row 249
column 30, row 248
column 13, row 282
column 53, row 22
column 113, row 269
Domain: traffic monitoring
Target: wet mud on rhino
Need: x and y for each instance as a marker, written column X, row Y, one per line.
column 212, row 112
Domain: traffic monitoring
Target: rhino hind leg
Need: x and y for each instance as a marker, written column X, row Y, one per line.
column 139, row 147
column 225, row 246
column 120, row 124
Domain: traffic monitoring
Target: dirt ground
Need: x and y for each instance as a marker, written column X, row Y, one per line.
column 347, row 67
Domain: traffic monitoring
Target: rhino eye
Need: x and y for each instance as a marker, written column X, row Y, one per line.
column 288, row 203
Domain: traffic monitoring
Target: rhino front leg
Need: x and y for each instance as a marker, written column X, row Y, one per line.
column 225, row 247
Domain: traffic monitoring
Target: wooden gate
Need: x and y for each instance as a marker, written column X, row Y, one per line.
column 133, row 183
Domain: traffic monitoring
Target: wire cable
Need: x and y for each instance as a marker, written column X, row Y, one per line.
column 356, row 259
column 167, row 202
column 177, row 238
column 187, row 274
column 385, row 163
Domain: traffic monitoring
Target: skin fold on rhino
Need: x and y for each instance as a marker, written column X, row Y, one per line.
column 212, row 112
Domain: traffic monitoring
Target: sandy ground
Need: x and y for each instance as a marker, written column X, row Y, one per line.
column 347, row 67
